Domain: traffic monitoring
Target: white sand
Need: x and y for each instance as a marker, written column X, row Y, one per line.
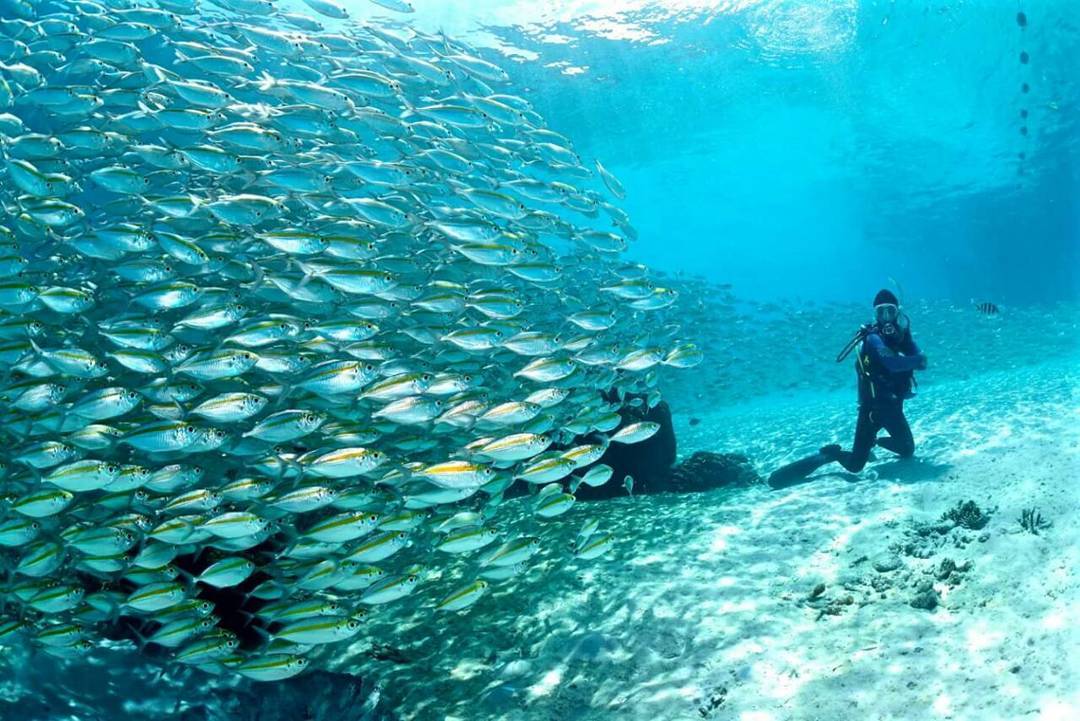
column 704, row 599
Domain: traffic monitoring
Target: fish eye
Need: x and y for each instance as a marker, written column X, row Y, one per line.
column 189, row 429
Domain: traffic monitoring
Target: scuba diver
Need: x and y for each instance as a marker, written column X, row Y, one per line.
column 885, row 365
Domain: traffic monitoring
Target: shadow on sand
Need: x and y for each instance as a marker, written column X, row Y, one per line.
column 900, row 470
column 911, row 470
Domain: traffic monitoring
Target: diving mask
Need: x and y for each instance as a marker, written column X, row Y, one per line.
column 886, row 313
column 890, row 321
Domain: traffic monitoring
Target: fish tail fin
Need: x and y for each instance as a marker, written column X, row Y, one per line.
column 188, row 577
column 262, row 632
column 141, row 641
column 156, row 74
column 35, row 346
column 446, row 45
column 266, row 81
column 300, row 470
column 286, row 391
column 257, row 283
column 248, row 615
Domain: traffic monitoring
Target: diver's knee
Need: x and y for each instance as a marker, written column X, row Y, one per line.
column 854, row 465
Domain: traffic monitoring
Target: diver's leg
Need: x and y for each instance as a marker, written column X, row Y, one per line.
column 866, row 429
column 899, row 441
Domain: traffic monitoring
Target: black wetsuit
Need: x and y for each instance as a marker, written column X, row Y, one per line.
column 885, row 368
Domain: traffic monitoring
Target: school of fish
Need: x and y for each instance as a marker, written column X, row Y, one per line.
column 287, row 303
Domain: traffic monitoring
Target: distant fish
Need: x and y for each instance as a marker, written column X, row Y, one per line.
column 986, row 308
column 611, row 181
column 401, row 6
column 695, row 421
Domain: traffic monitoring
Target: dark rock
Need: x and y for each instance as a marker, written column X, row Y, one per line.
column 945, row 569
column 880, row 584
column 818, row 590
column 926, row 600
column 705, row 471
column 887, row 563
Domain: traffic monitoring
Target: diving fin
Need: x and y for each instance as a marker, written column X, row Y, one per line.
column 796, row 472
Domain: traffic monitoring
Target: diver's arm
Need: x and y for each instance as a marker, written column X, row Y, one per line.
column 910, row 349
column 893, row 362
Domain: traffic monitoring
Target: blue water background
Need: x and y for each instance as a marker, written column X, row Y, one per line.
column 812, row 149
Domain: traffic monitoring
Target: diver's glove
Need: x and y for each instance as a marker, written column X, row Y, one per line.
column 922, row 362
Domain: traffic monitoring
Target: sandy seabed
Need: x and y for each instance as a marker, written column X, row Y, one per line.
column 734, row 605
column 762, row 605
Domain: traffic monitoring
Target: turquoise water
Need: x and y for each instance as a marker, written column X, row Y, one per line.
column 813, row 149
column 782, row 161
